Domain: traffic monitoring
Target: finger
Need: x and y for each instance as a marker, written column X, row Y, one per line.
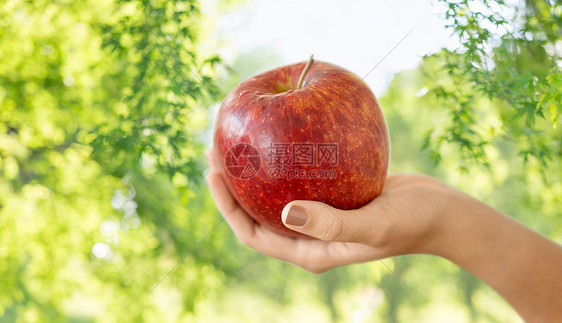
column 324, row 222
column 313, row 255
column 323, row 255
column 240, row 222
column 210, row 154
column 245, row 228
column 275, row 245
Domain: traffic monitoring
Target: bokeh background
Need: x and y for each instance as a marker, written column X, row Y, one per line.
column 106, row 108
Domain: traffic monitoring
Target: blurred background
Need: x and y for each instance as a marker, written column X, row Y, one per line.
column 107, row 106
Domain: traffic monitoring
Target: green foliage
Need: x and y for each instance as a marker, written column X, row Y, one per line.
column 513, row 57
column 98, row 105
column 153, row 45
column 491, row 108
column 102, row 218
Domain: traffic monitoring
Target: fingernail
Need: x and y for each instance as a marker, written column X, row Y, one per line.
column 297, row 216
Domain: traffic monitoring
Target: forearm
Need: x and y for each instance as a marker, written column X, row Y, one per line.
column 521, row 265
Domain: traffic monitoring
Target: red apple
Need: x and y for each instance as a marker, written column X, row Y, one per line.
column 307, row 131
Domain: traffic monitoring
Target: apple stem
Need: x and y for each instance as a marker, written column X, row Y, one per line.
column 304, row 71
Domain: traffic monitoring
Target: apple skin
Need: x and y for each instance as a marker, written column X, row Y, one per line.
column 333, row 106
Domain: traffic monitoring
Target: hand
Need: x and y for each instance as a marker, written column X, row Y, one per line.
column 413, row 214
column 403, row 219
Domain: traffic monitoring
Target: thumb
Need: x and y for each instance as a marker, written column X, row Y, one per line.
column 324, row 222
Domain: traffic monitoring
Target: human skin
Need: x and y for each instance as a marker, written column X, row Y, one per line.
column 414, row 214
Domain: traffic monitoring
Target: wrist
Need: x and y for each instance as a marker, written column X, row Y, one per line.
column 458, row 223
column 470, row 231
